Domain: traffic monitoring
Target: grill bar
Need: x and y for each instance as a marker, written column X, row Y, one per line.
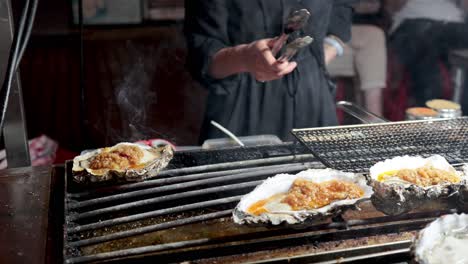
column 368, row 257
column 137, row 251
column 352, row 231
column 184, row 195
column 354, row 254
column 172, row 179
column 173, row 187
column 130, row 205
column 148, row 229
column 136, row 217
column 235, row 165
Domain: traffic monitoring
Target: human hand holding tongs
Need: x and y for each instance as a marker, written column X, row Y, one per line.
column 295, row 22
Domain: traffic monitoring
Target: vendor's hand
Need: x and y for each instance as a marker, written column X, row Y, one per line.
column 260, row 62
column 330, row 53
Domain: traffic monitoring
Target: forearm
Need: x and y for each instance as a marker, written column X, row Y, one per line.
column 227, row 62
column 330, row 53
column 255, row 58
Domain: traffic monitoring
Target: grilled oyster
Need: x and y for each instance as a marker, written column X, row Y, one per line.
column 404, row 183
column 443, row 241
column 308, row 195
column 124, row 161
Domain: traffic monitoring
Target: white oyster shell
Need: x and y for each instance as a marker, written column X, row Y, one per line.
column 443, row 241
column 154, row 160
column 397, row 196
column 282, row 183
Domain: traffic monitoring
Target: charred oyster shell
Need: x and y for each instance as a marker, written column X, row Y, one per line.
column 395, row 196
column 463, row 198
column 147, row 165
column 283, row 213
column 443, row 241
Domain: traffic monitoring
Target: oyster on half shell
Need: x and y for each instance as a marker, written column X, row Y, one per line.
column 395, row 195
column 274, row 208
column 443, row 241
column 122, row 162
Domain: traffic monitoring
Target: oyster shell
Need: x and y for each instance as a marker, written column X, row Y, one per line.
column 282, row 213
column 463, row 198
column 146, row 164
column 443, row 241
column 395, row 196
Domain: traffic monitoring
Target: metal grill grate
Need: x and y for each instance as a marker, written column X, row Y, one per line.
column 184, row 215
column 103, row 222
column 357, row 148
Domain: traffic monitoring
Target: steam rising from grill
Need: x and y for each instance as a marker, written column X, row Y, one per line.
column 135, row 95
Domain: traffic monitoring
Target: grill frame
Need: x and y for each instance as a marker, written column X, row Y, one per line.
column 255, row 242
column 356, row 148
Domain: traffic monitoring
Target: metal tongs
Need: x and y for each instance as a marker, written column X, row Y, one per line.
column 293, row 47
column 295, row 22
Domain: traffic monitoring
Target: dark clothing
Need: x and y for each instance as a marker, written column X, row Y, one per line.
column 240, row 103
column 420, row 45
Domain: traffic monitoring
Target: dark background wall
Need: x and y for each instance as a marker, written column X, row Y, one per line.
column 136, row 85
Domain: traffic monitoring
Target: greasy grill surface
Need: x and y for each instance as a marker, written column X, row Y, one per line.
column 357, row 148
column 185, row 215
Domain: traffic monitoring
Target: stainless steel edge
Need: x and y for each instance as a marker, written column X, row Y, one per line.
column 14, row 131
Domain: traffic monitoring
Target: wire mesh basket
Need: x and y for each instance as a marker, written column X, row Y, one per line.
column 357, row 148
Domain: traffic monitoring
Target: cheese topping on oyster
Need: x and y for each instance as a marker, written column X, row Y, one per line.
column 418, row 171
column 118, row 158
column 306, row 195
column 423, row 176
column 402, row 184
column 127, row 161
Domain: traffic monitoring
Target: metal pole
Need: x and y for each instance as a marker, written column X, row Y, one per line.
column 14, row 131
column 83, row 107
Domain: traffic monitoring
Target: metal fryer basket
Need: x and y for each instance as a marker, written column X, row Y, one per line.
column 356, row 148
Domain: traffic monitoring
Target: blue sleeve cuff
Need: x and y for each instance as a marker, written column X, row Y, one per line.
column 334, row 43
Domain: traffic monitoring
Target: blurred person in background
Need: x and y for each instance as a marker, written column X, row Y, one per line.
column 365, row 56
column 250, row 92
column 422, row 34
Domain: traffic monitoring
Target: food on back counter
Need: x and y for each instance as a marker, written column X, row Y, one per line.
column 122, row 162
column 404, row 183
column 309, row 195
column 439, row 104
column 421, row 113
column 443, row 241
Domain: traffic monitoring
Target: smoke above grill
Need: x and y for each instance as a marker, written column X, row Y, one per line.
column 134, row 95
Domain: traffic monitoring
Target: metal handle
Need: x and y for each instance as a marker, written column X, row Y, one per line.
column 228, row 133
column 279, row 43
column 360, row 113
column 296, row 21
column 293, row 47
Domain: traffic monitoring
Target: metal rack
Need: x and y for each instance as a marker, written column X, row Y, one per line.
column 356, row 148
